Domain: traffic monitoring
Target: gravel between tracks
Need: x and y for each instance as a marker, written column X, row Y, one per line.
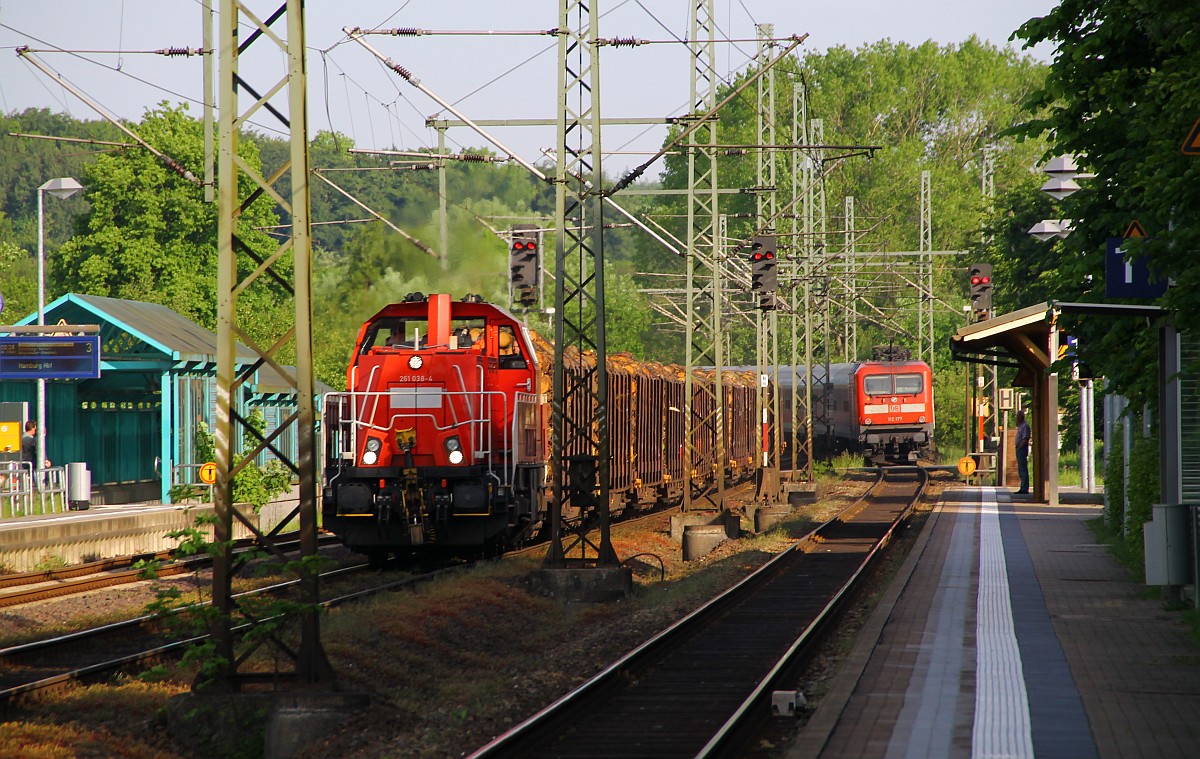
column 449, row 666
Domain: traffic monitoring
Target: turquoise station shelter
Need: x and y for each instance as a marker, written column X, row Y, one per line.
column 138, row 424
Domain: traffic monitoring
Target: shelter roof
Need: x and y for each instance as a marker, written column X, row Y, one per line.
column 132, row 329
column 141, row 335
column 1022, row 338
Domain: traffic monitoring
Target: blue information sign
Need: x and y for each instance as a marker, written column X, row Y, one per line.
column 46, row 357
column 1129, row 279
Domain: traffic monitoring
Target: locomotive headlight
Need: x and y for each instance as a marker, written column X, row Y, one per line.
column 921, row 419
column 371, row 455
column 867, row 420
column 454, row 450
column 415, row 362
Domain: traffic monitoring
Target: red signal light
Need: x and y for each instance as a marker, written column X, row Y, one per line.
column 985, row 280
column 977, row 280
column 770, row 255
column 758, row 256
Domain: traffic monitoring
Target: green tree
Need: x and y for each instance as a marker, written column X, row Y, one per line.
column 926, row 107
column 1122, row 94
column 27, row 162
column 18, row 277
column 150, row 236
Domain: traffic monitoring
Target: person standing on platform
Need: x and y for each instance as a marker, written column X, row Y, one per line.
column 1024, row 436
column 29, row 444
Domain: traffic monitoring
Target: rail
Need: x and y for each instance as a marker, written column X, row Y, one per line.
column 726, row 656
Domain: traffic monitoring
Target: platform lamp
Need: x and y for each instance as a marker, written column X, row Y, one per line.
column 1063, row 171
column 62, row 188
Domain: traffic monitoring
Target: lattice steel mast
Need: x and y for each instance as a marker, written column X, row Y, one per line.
column 925, row 273
column 703, row 337
column 767, row 323
column 580, row 410
column 801, row 292
column 286, row 269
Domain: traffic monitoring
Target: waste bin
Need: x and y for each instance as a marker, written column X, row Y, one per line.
column 79, row 486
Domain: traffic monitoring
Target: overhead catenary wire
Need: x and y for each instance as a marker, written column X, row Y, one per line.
column 427, row 249
column 51, row 48
column 167, row 160
column 82, row 140
column 170, row 52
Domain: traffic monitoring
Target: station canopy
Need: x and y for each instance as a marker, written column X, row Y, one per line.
column 1021, row 338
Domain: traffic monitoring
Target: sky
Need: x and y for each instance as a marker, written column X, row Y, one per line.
column 484, row 76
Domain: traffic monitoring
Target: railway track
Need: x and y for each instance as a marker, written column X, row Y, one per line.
column 95, row 654
column 27, row 587
column 703, row 687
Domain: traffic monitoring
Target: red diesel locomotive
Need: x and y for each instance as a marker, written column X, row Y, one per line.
column 440, row 437
column 440, row 441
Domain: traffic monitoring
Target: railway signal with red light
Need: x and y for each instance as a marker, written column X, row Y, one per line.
column 981, row 287
column 524, row 264
column 763, row 277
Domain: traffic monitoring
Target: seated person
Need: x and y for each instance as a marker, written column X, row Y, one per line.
column 476, row 339
column 395, row 338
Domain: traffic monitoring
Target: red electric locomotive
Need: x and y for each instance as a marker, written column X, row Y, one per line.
column 883, row 409
column 440, row 438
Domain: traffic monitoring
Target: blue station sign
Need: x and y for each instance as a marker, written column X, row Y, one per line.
column 1129, row 279
column 46, row 357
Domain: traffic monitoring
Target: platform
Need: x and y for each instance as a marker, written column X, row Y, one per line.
column 1010, row 633
column 107, row 531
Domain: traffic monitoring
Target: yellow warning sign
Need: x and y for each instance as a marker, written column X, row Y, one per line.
column 208, row 473
column 1135, row 229
column 966, row 466
column 1191, row 146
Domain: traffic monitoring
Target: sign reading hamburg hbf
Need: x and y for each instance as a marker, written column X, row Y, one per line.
column 38, row 356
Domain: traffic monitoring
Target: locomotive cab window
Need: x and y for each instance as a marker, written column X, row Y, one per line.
column 510, row 349
column 396, row 333
column 469, row 333
column 908, row 384
column 878, row 384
